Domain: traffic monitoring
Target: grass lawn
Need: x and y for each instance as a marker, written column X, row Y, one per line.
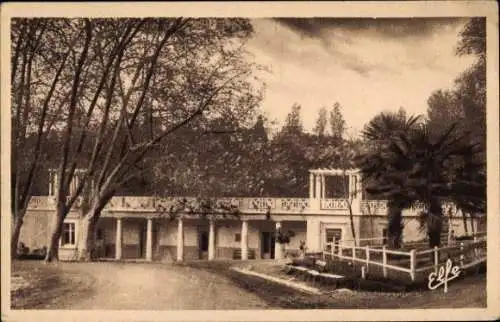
column 469, row 292
column 38, row 286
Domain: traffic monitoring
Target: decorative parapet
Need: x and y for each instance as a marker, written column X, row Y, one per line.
column 334, row 204
column 42, row 202
column 49, row 203
column 257, row 205
column 244, row 205
column 374, row 207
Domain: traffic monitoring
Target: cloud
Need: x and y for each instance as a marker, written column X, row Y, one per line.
column 338, row 35
column 385, row 27
column 367, row 69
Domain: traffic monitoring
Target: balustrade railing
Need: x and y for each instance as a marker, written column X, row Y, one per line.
column 252, row 205
column 375, row 207
column 245, row 205
column 334, row 204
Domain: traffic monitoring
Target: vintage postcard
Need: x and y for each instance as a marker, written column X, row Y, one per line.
column 244, row 161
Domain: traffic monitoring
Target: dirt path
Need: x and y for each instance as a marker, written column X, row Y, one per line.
column 161, row 287
column 136, row 286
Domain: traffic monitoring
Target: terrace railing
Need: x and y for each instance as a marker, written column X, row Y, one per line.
column 250, row 205
column 334, row 204
column 246, row 205
column 411, row 262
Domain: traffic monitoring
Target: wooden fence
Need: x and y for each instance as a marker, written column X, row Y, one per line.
column 411, row 262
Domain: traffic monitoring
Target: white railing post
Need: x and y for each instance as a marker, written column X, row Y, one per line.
column 413, row 260
column 332, row 250
column 353, row 252
column 340, row 249
column 436, row 259
column 475, row 247
column 461, row 254
column 367, row 249
column 384, row 261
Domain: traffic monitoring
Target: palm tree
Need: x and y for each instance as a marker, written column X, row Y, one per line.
column 378, row 135
column 415, row 166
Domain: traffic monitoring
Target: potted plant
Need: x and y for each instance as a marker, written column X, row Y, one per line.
column 282, row 238
column 303, row 249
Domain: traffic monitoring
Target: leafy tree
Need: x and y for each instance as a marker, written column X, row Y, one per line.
column 379, row 134
column 337, row 122
column 465, row 104
column 37, row 79
column 416, row 167
column 127, row 85
column 293, row 123
column 321, row 123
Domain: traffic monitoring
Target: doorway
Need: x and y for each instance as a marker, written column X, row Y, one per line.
column 203, row 244
column 267, row 242
column 142, row 241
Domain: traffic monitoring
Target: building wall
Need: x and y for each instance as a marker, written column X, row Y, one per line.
column 108, row 229
column 35, row 231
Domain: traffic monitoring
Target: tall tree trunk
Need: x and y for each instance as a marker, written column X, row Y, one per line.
column 56, row 230
column 464, row 219
column 395, row 225
column 16, row 232
column 353, row 229
column 434, row 223
column 87, row 242
column 472, row 223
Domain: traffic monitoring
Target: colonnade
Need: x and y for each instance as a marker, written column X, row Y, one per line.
column 180, row 239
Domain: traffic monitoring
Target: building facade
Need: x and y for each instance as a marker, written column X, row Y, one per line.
column 133, row 227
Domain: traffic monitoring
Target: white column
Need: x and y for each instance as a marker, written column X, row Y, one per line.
column 323, row 192
column 356, row 194
column 75, row 185
column 318, row 191
column 211, row 241
column 313, row 235
column 360, row 187
column 118, row 246
column 278, row 254
column 56, row 184
column 149, row 240
column 311, row 185
column 180, row 240
column 50, row 183
column 244, row 240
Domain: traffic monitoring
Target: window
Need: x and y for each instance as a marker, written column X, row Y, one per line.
column 384, row 235
column 100, row 234
column 68, row 234
column 237, row 237
column 332, row 235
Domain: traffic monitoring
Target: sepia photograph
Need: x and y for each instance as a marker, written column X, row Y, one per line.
column 174, row 160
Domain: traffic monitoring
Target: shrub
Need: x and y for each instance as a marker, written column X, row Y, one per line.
column 22, row 250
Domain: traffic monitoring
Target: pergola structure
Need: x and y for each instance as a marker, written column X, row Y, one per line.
column 53, row 180
column 317, row 182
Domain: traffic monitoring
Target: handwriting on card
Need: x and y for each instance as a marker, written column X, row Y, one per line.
column 443, row 276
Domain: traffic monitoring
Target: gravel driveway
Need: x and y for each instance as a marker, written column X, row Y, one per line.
column 145, row 286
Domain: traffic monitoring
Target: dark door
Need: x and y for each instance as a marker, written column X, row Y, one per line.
column 142, row 242
column 203, row 244
column 267, row 244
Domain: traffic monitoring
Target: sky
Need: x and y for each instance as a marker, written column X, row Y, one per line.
column 367, row 65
